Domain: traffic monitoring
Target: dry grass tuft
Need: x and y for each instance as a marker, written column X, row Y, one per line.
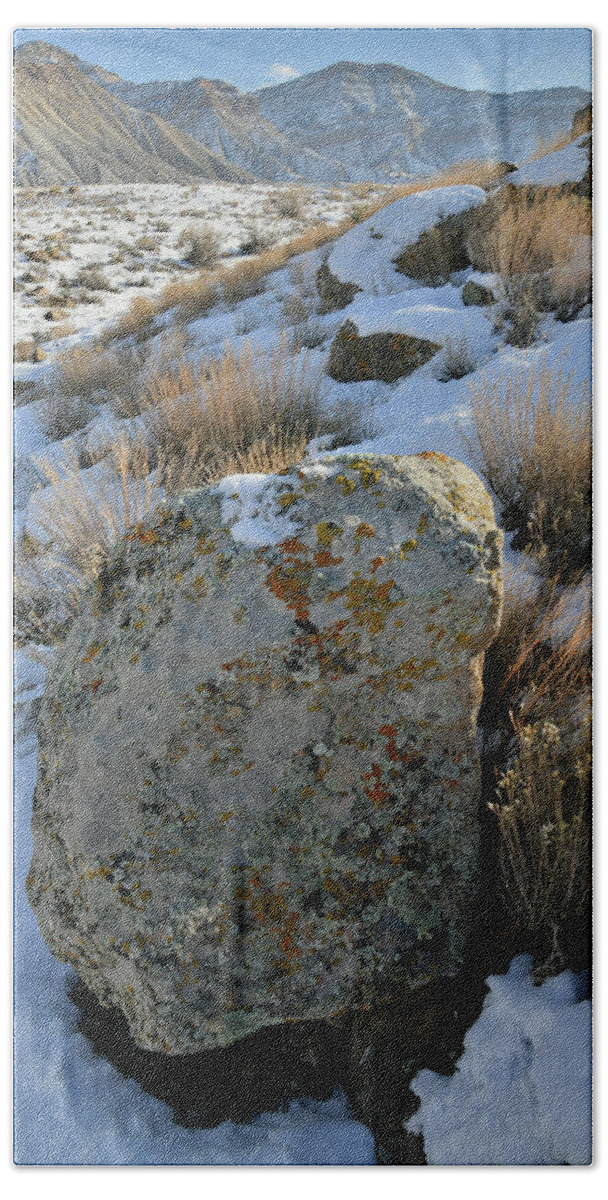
column 538, row 241
column 136, row 322
column 288, row 202
column 536, row 709
column 544, row 825
column 202, row 246
column 532, row 442
column 87, row 512
column 245, row 407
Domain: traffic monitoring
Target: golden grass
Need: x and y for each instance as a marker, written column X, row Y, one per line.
column 135, row 322
column 24, row 350
column 529, row 235
column 89, row 369
column 87, row 512
column 540, row 663
column 247, row 411
column 247, row 407
column 531, row 440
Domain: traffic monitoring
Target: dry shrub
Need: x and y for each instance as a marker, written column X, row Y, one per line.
column 202, row 246
column 543, row 814
column 86, row 513
column 86, row 370
column 90, row 373
column 536, row 721
column 255, row 240
column 538, row 241
column 246, row 407
column 456, row 360
column 93, row 279
column 192, row 297
column 532, row 442
column 23, row 350
column 136, row 322
column 64, row 414
column 287, row 202
column 539, row 666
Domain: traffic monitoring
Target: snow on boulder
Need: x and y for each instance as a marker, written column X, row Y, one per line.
column 521, row 1093
column 366, row 254
column 432, row 314
column 258, row 785
column 568, row 165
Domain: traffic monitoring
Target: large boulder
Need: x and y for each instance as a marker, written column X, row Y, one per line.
column 258, row 790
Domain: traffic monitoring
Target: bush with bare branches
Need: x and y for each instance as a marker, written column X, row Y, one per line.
column 201, row 246
column 544, row 824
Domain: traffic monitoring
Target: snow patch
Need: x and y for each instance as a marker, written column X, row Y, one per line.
column 249, row 509
column 567, row 165
column 365, row 255
column 521, row 1092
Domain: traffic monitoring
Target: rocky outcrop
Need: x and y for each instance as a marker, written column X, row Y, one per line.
column 258, row 785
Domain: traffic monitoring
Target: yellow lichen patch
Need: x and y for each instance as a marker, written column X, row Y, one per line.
column 205, row 545
column 408, row 547
column 368, row 474
column 326, row 533
column 199, row 589
column 92, row 651
column 369, row 602
column 286, row 499
column 348, row 485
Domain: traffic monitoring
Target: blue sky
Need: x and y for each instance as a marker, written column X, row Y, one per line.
column 493, row 59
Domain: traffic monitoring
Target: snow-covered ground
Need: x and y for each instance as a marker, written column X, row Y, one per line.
column 130, row 236
column 521, row 1092
column 74, row 1107
column 567, row 165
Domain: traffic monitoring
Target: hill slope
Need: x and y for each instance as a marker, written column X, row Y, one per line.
column 76, row 122
column 229, row 124
column 71, row 129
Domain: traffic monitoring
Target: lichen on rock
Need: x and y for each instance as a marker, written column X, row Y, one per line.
column 258, row 785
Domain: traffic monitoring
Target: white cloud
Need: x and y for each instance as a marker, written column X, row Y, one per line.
column 281, row 72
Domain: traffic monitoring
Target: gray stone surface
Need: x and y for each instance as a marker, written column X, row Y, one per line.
column 258, row 785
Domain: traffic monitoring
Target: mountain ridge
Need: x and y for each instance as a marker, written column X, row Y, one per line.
column 77, row 122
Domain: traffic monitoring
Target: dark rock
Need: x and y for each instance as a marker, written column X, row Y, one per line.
column 333, row 294
column 385, row 356
column 475, row 294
